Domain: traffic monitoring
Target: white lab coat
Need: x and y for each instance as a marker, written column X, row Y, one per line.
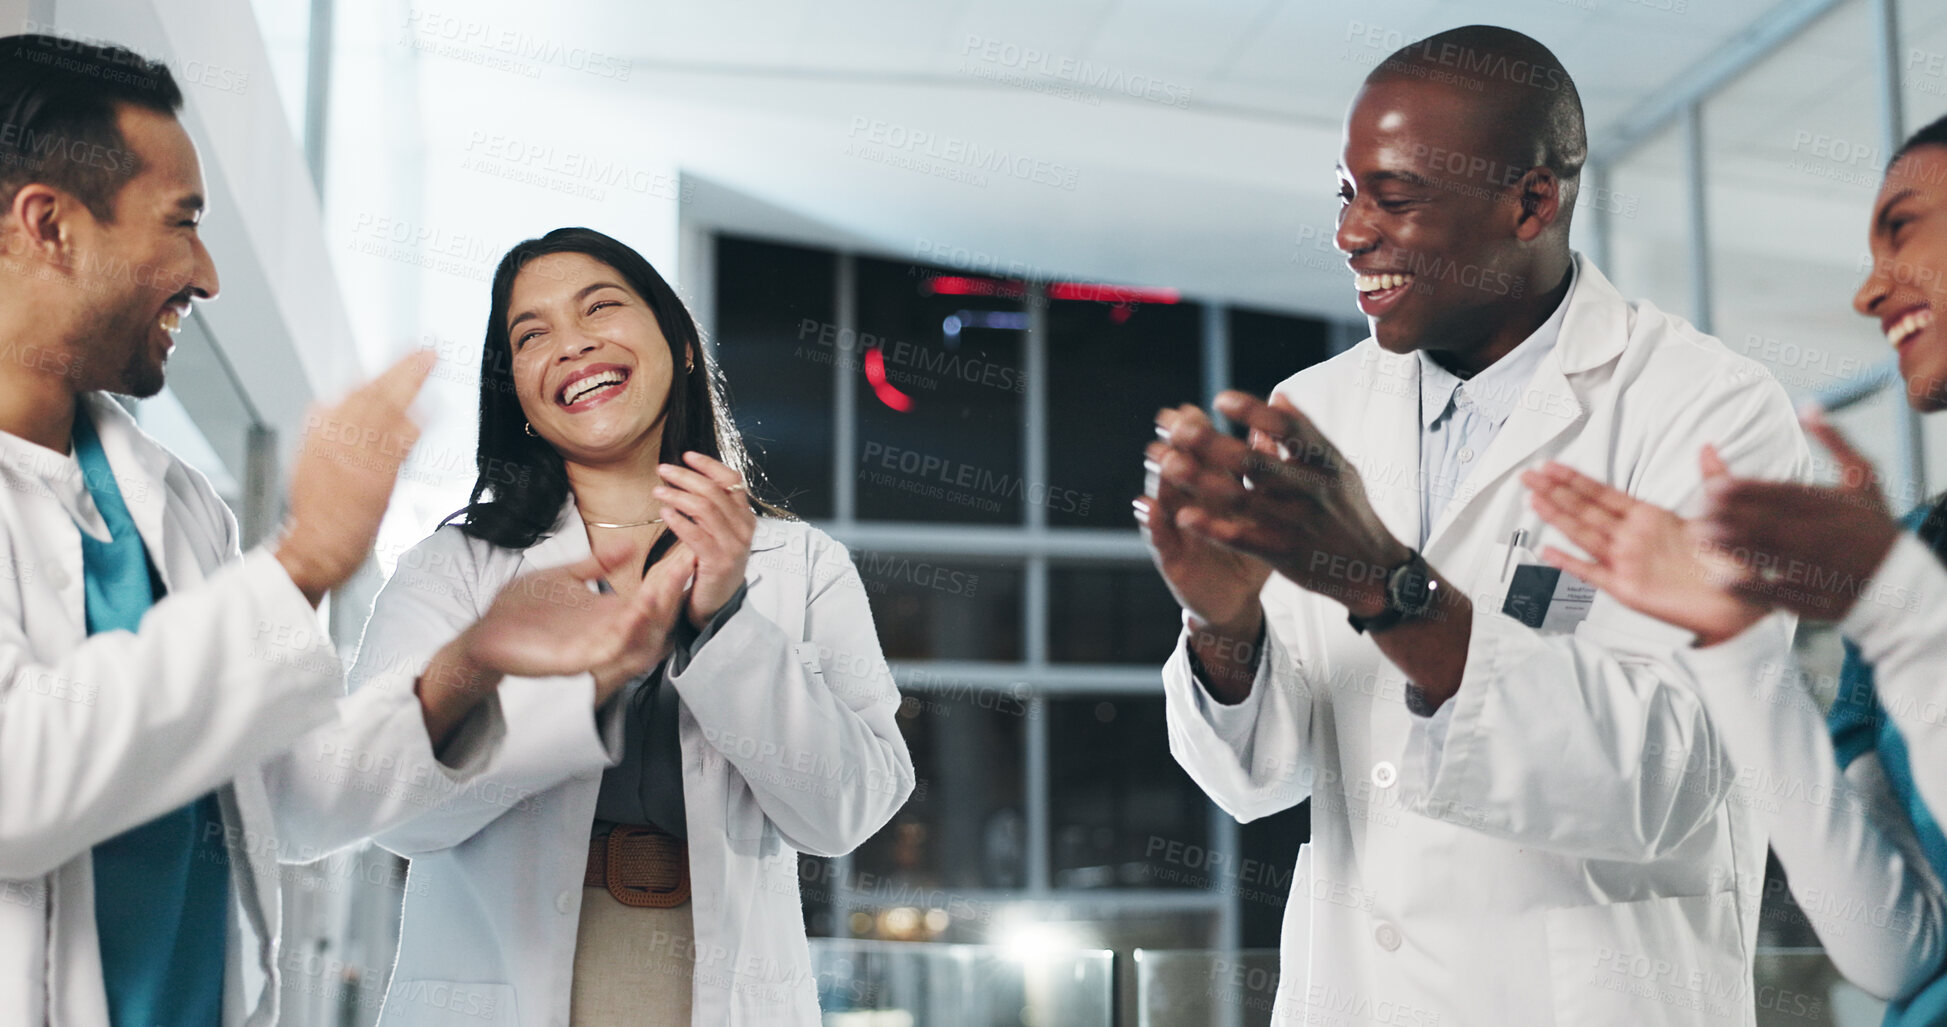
column 789, row 745
column 1568, row 857
column 1855, row 863
column 230, row 684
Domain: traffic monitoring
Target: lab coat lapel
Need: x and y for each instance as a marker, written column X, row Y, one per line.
column 1389, row 463
column 1548, row 406
column 568, row 544
column 1595, row 329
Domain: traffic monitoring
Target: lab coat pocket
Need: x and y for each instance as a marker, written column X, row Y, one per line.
column 431, row 1003
column 1625, row 964
column 1549, row 600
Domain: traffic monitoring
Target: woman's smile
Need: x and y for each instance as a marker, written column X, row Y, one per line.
column 591, row 386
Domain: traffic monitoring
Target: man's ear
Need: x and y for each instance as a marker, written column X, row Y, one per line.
column 1540, row 193
column 34, row 221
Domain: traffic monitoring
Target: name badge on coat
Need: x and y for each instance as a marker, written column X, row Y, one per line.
column 1548, row 599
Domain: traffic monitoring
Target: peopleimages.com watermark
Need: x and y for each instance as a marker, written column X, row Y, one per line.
column 574, row 172
column 949, row 156
column 466, row 38
column 192, row 71
column 421, row 245
column 932, row 476
column 1071, row 78
column 905, row 363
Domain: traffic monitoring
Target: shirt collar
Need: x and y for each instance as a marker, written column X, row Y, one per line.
column 1494, row 391
column 35, row 469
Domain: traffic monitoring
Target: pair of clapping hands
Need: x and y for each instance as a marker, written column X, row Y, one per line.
column 1221, row 514
column 546, row 623
column 1758, row 546
column 550, row 623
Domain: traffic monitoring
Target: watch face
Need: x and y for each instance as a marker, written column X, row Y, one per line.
column 1407, row 589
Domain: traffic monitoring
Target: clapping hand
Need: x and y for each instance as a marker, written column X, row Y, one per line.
column 707, row 506
column 550, row 623
column 1644, row 556
column 1287, row 499
column 1810, row 549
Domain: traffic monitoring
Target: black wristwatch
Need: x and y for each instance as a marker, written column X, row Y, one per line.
column 1409, row 593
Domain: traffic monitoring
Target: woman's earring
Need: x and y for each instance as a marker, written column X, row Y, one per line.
column 528, row 426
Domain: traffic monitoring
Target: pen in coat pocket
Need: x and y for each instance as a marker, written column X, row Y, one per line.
column 1515, row 542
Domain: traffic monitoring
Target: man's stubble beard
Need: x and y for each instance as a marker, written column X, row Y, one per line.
column 104, row 341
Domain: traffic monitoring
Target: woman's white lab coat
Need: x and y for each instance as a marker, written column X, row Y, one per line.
column 229, row 684
column 1566, row 855
column 1855, row 862
column 789, row 745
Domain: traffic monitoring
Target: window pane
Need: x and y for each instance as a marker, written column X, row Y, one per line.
column 1267, row 348
column 775, row 341
column 940, row 428
column 1108, row 613
column 1110, row 366
column 1122, row 813
column 286, row 29
column 930, row 609
column 965, row 826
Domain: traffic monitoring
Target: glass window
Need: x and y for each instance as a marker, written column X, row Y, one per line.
column 1648, row 208
column 934, row 609
column 966, row 824
column 286, row 30
column 940, row 385
column 1922, row 61
column 1110, row 366
column 1122, row 814
column 1267, row 348
column 1781, row 287
column 1110, row 613
column 776, row 341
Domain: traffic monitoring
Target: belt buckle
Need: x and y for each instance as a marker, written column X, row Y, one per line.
column 647, row 869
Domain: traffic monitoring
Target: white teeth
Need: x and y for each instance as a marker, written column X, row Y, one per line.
column 1908, row 325
column 171, row 321
column 590, row 384
column 1375, row 283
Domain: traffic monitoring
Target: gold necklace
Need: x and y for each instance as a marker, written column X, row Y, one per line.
column 630, row 524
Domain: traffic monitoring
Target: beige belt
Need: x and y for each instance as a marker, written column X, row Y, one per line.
column 640, row 866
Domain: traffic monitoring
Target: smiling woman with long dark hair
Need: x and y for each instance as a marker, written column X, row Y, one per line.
column 637, row 865
column 514, row 509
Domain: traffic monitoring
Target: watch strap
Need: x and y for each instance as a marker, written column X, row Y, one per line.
column 1380, row 621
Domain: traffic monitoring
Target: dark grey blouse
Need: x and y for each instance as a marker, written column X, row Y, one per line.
column 646, row 787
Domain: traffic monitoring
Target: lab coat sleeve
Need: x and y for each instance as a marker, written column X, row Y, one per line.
column 128, row 726
column 1899, row 623
column 369, row 769
column 1254, row 758
column 1594, row 744
column 810, row 726
column 378, row 774
column 1848, row 847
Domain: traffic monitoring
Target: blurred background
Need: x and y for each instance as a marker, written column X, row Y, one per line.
column 951, row 258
